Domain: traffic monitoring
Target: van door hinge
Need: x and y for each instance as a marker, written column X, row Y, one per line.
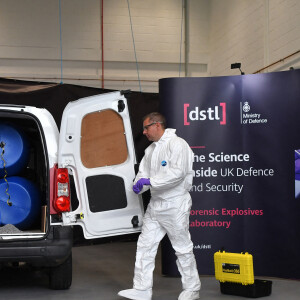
column 135, row 221
column 121, row 105
column 69, row 218
column 124, row 92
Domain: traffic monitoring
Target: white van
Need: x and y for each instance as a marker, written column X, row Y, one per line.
column 95, row 145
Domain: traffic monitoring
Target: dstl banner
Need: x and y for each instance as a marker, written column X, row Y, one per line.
column 245, row 134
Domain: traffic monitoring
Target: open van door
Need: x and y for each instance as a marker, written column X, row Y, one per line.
column 96, row 145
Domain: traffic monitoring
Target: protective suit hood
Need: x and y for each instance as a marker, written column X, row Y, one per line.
column 169, row 133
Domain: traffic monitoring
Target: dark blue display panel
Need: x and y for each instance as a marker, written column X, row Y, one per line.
column 244, row 131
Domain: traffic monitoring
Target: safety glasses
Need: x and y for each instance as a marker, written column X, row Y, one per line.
column 147, row 126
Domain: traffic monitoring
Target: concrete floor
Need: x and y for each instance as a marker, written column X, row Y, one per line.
column 100, row 271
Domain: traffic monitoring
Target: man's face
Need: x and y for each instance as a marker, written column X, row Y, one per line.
column 151, row 130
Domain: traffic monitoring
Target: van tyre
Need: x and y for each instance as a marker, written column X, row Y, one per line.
column 60, row 277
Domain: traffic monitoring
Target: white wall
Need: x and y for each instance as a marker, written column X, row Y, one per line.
column 256, row 33
column 218, row 33
column 284, row 32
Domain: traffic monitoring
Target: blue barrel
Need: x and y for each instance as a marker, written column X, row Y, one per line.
column 25, row 199
column 16, row 150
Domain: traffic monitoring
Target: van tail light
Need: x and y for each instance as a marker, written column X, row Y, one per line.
column 62, row 201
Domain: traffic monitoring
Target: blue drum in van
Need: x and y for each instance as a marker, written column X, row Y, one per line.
column 25, row 202
column 15, row 156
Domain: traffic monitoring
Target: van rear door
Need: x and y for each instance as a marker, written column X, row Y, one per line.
column 96, row 145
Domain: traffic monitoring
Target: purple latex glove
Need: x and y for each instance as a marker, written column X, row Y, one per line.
column 139, row 185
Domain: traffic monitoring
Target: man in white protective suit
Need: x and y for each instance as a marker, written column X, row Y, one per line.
column 166, row 169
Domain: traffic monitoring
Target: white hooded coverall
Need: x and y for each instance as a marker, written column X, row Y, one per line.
column 168, row 164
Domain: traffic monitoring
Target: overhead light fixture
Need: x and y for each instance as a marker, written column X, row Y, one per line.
column 237, row 66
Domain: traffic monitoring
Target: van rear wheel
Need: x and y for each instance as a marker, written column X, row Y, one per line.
column 60, row 277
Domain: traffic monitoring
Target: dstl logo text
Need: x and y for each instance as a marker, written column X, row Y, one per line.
column 216, row 113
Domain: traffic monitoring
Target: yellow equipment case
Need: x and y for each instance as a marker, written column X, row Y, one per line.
column 236, row 275
column 234, row 267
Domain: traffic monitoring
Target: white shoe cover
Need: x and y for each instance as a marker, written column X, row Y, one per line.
column 189, row 295
column 136, row 294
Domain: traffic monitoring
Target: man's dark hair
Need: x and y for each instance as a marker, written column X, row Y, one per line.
column 156, row 117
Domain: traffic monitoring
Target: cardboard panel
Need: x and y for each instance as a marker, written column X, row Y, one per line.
column 103, row 141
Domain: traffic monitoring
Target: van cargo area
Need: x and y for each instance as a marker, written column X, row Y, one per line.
column 43, row 159
column 23, row 184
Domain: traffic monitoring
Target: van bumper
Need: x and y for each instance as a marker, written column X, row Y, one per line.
column 51, row 251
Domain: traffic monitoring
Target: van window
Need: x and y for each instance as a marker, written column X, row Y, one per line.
column 103, row 140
